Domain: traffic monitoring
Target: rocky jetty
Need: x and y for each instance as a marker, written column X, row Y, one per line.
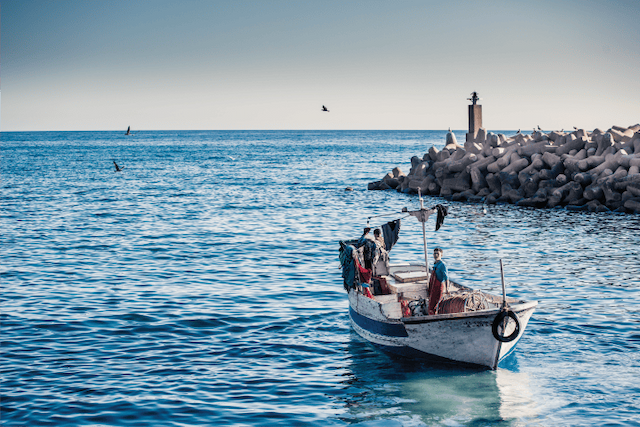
column 595, row 171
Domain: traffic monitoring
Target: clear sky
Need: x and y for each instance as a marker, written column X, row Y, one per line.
column 205, row 64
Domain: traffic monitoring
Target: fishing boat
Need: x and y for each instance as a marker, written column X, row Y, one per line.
column 470, row 327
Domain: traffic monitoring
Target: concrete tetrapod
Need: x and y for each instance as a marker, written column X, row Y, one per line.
column 581, row 170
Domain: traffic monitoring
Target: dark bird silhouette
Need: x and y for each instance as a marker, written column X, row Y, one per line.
column 118, row 169
column 128, row 131
column 539, row 127
column 324, row 109
column 518, row 131
column 575, row 128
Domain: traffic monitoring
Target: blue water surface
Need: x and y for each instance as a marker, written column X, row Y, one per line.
column 201, row 286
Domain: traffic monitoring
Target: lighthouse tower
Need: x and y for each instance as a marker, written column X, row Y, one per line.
column 476, row 134
column 475, row 116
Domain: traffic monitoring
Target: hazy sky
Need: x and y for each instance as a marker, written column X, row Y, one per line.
column 158, row 64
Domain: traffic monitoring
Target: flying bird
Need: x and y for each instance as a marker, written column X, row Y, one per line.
column 324, row 109
column 118, row 169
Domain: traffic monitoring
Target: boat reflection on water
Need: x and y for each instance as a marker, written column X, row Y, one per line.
column 516, row 399
column 398, row 391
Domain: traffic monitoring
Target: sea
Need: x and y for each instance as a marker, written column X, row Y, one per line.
column 201, row 286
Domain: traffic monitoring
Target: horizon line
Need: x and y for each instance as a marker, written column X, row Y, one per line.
column 133, row 132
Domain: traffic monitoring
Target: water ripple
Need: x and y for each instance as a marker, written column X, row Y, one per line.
column 201, row 287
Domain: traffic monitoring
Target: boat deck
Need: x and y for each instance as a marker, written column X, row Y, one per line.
column 409, row 282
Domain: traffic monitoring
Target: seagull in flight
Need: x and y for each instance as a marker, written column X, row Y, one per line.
column 324, row 109
column 118, row 169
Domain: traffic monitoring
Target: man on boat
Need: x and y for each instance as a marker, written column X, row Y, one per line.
column 377, row 236
column 381, row 255
column 375, row 257
column 369, row 248
column 439, row 278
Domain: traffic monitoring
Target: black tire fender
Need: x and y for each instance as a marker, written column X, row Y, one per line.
column 498, row 320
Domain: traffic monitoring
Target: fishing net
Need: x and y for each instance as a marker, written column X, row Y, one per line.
column 460, row 303
column 418, row 307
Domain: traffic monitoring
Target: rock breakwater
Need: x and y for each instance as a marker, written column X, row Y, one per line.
column 580, row 170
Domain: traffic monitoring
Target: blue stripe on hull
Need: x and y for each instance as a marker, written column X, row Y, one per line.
column 377, row 327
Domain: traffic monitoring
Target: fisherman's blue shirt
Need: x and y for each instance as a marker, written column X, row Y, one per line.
column 441, row 271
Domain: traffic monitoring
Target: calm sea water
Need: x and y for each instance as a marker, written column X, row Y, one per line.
column 201, row 286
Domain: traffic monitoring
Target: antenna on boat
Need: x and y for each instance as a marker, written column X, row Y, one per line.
column 504, row 292
column 424, row 235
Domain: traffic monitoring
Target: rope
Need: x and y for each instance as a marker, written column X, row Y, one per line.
column 387, row 214
column 463, row 302
column 376, row 216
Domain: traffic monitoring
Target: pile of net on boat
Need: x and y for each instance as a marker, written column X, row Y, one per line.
column 459, row 302
column 462, row 302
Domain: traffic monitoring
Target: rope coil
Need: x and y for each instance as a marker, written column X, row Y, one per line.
column 463, row 302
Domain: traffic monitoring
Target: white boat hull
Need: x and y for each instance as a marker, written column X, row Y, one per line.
column 465, row 338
